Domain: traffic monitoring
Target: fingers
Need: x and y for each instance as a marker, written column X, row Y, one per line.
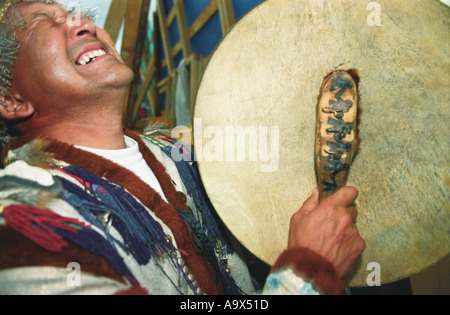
column 312, row 202
column 354, row 213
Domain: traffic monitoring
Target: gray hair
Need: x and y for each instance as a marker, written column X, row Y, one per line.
column 11, row 19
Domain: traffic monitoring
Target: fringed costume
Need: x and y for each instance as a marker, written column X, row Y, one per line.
column 61, row 205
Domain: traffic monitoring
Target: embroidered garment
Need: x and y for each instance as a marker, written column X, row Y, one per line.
column 118, row 227
column 86, row 192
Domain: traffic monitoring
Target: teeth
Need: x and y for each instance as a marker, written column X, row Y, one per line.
column 99, row 53
column 88, row 57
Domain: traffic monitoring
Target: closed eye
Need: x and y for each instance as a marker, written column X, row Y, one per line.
column 45, row 16
column 33, row 23
column 40, row 14
column 39, row 17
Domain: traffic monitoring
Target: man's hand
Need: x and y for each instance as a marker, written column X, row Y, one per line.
column 328, row 230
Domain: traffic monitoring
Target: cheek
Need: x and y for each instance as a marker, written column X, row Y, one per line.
column 46, row 73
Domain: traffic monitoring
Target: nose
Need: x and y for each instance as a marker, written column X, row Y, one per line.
column 82, row 28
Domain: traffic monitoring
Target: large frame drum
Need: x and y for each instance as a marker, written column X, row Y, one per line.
column 264, row 79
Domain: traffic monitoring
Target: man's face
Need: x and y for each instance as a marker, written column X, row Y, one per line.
column 62, row 63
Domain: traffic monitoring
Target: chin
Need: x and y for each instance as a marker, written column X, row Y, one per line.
column 118, row 79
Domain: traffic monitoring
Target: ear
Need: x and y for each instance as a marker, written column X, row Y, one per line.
column 13, row 107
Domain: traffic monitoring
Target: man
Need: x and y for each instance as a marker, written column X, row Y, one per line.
column 80, row 193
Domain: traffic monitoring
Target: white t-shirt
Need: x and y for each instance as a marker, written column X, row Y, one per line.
column 132, row 159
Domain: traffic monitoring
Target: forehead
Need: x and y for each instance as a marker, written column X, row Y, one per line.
column 30, row 9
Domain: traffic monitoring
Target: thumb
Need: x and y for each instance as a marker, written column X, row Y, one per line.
column 344, row 197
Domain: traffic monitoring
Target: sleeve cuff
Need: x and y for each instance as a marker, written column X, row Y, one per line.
column 286, row 282
column 312, row 268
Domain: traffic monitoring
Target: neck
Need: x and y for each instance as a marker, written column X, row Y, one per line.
column 97, row 126
column 98, row 133
column 107, row 138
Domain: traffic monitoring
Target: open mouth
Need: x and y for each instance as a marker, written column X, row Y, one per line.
column 89, row 56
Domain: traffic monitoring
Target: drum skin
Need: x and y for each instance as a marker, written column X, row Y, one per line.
column 264, row 80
